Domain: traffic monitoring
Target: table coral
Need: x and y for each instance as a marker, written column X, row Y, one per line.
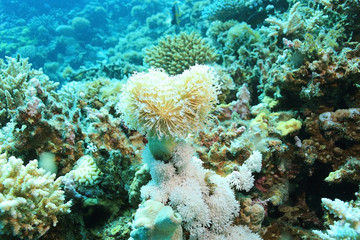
column 30, row 199
column 240, row 10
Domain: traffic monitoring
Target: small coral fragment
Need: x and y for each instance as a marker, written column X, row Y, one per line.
column 85, row 171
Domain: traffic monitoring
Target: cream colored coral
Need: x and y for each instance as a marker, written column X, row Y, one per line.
column 169, row 106
column 30, row 199
column 19, row 81
column 85, row 171
column 293, row 23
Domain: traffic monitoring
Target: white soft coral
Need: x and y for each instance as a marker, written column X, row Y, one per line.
column 242, row 179
column 204, row 200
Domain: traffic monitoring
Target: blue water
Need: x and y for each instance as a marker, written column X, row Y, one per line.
column 33, row 29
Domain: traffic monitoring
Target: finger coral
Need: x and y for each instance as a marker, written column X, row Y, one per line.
column 160, row 105
column 177, row 53
column 30, row 199
column 18, row 81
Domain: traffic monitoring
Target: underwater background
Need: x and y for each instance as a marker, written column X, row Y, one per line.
column 159, row 119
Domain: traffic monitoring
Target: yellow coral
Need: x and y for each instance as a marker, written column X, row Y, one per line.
column 169, row 106
column 289, row 126
column 260, row 121
column 177, row 53
column 30, row 199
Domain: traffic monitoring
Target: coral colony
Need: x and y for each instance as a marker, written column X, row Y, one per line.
column 185, row 120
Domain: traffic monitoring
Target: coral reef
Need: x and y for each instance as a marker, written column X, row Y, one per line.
column 263, row 142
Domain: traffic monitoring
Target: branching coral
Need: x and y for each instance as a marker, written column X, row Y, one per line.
column 30, row 199
column 18, row 81
column 177, row 53
column 348, row 224
column 298, row 21
column 290, row 26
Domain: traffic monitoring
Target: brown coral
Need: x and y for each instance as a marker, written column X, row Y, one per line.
column 177, row 53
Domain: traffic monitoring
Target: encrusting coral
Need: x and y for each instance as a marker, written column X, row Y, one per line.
column 177, row 53
column 30, row 199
